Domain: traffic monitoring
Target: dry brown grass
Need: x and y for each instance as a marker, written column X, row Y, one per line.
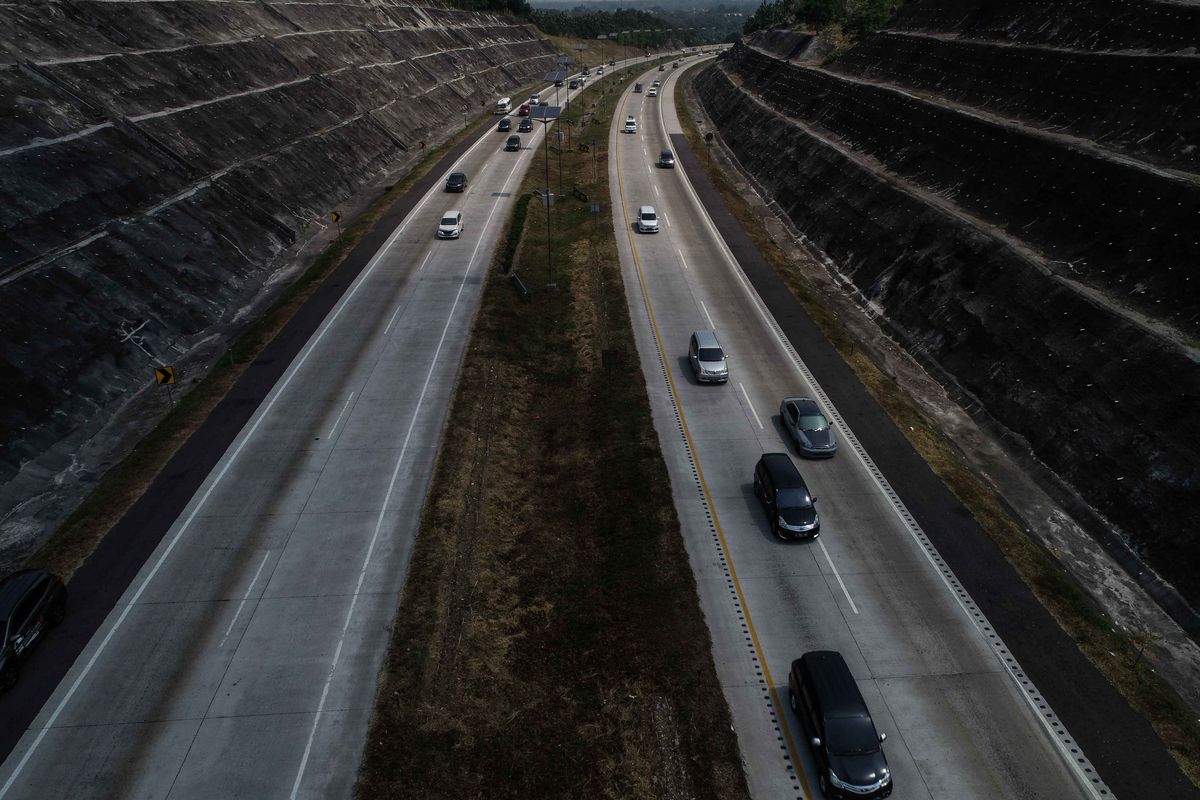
column 549, row 642
column 78, row 536
column 1109, row 649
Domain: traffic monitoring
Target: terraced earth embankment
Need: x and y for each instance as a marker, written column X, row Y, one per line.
column 161, row 163
column 1012, row 188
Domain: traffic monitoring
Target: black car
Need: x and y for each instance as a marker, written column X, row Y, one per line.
column 791, row 510
column 513, row 143
column 457, row 182
column 666, row 159
column 526, row 125
column 31, row 602
column 845, row 744
column 505, row 124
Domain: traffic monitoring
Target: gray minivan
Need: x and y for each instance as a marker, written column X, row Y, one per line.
column 707, row 358
column 845, row 745
column 791, row 509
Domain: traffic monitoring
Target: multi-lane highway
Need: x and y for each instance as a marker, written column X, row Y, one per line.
column 962, row 720
column 242, row 659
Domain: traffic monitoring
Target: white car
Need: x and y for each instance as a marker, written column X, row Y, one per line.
column 647, row 220
column 630, row 125
column 652, row 93
column 451, row 225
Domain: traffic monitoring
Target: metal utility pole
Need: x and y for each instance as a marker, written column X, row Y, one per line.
column 546, row 115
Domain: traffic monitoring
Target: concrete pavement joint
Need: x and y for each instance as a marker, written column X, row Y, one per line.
column 765, row 683
column 1069, row 750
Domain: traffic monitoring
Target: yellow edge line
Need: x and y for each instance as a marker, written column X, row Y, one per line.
column 758, row 648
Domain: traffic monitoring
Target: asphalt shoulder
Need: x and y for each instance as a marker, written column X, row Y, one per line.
column 100, row 582
column 1124, row 747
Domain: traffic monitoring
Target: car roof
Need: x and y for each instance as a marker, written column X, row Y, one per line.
column 834, row 685
column 646, row 209
column 458, row 174
column 805, row 405
column 783, row 471
column 14, row 587
column 454, row 212
column 706, row 338
column 666, row 152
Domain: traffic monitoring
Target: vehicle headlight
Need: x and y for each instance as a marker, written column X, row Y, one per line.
column 836, row 781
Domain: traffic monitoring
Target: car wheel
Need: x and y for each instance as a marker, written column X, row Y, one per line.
column 8, row 677
column 792, row 701
column 824, row 784
column 58, row 612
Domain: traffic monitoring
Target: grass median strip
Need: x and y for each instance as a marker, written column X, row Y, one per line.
column 1121, row 658
column 549, row 642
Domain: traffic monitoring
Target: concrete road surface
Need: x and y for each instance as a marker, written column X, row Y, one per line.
column 242, row 659
column 959, row 720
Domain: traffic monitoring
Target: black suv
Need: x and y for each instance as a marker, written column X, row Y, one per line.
column 505, row 125
column 31, row 602
column 525, row 125
column 457, row 182
column 845, row 744
column 791, row 510
column 513, row 143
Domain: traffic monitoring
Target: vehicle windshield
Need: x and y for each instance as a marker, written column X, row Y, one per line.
column 813, row 422
column 850, row 736
column 449, row 221
column 648, row 217
column 793, row 498
column 710, row 354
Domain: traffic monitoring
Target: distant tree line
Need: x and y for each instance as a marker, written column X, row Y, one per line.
column 518, row 8
column 590, row 24
column 855, row 17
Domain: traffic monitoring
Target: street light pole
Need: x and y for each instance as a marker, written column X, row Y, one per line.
column 546, row 115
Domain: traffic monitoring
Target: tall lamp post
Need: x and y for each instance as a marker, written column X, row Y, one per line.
column 546, row 115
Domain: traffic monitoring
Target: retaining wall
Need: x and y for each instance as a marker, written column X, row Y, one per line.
column 160, row 162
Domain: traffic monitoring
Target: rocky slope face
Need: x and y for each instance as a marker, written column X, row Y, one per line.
column 1014, row 187
column 160, row 162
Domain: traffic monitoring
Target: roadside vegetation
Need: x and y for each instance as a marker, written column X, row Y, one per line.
column 840, row 22
column 1121, row 657
column 549, row 641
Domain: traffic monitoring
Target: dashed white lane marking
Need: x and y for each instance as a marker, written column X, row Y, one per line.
column 246, row 597
column 704, row 308
column 362, row 573
column 265, row 410
column 681, row 259
column 423, row 263
column 838, row 575
column 750, row 405
column 341, row 414
column 656, row 194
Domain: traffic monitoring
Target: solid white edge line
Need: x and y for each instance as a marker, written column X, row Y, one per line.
column 237, row 449
column 750, row 406
column 391, row 487
column 1066, row 756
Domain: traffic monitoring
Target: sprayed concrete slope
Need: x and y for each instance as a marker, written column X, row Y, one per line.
column 1014, row 194
column 161, row 162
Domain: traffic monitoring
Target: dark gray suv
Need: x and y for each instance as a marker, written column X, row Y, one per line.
column 845, row 744
column 31, row 602
column 791, row 510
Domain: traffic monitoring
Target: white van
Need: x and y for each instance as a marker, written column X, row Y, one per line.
column 504, row 105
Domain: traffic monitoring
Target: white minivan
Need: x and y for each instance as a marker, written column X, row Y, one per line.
column 647, row 220
column 451, row 225
column 630, row 125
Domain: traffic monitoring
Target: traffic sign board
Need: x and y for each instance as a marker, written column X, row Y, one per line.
column 165, row 376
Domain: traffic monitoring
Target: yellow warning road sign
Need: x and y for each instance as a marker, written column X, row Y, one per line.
column 336, row 216
column 164, row 375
